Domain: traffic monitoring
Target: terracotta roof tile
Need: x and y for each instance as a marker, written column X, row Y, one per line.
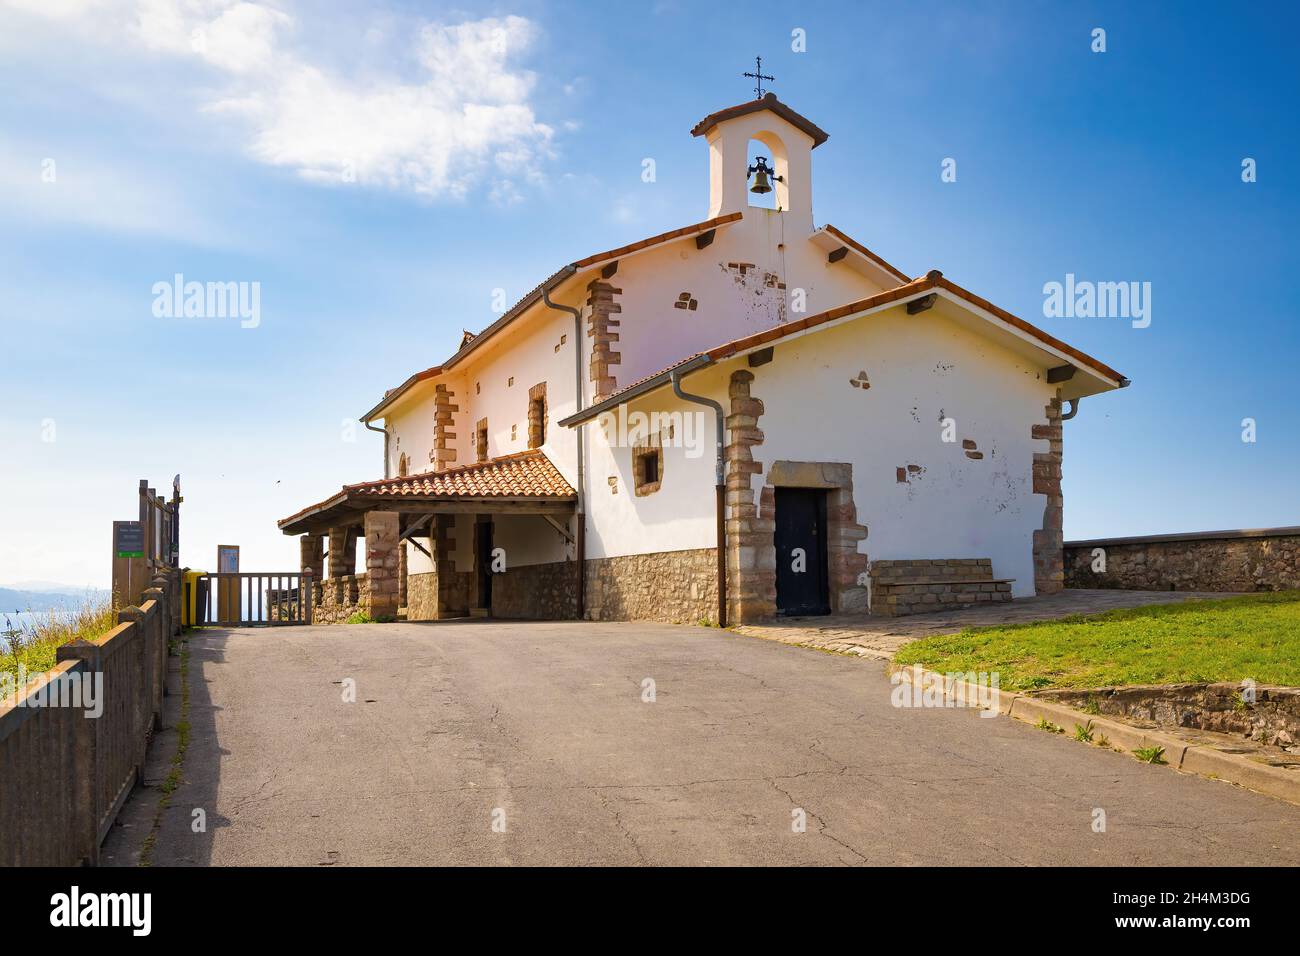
column 527, row 474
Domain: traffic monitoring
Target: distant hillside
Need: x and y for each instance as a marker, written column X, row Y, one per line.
column 12, row 599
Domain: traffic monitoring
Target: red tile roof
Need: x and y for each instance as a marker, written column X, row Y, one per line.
column 526, row 474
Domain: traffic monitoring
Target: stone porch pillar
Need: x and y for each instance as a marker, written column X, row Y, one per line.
column 402, row 571
column 343, row 552
column 311, row 548
column 451, row 601
column 382, row 533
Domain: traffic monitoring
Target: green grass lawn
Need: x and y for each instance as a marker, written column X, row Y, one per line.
column 1257, row 636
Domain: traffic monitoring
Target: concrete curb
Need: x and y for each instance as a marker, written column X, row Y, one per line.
column 1178, row 755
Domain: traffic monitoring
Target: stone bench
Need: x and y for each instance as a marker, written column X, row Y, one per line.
column 916, row 586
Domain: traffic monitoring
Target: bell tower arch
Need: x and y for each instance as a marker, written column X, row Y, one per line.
column 790, row 139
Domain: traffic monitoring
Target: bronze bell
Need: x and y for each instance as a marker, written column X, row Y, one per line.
column 762, row 180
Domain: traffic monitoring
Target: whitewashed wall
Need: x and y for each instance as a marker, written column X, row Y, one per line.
column 677, row 517
column 921, row 369
column 654, row 334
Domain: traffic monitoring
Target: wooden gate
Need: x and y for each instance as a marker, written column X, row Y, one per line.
column 252, row 598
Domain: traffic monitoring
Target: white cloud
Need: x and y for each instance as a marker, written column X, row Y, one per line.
column 460, row 118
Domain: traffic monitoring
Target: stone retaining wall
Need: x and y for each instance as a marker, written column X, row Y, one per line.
column 1265, row 559
column 1273, row 717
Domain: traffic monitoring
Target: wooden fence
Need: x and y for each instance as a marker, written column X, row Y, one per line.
column 250, row 598
column 65, row 772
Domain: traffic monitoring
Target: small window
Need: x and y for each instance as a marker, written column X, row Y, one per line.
column 537, row 416
column 481, row 439
column 647, row 469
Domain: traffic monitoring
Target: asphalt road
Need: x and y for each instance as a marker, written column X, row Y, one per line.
column 461, row 731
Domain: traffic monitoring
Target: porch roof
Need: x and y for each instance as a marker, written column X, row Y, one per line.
column 523, row 483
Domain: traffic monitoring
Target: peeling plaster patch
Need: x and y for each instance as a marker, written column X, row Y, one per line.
column 943, row 369
column 905, row 473
column 684, row 301
column 613, row 484
column 768, row 294
column 860, row 381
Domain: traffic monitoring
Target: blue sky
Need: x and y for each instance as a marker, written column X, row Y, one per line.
column 315, row 149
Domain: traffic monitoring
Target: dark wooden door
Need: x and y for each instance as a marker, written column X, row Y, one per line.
column 484, row 548
column 801, row 578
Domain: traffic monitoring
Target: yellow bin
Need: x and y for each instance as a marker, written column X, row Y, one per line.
column 190, row 606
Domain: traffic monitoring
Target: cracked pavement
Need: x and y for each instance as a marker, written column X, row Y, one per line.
column 543, row 723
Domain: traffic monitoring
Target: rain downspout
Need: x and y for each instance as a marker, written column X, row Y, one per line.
column 383, row 431
column 580, row 540
column 719, row 490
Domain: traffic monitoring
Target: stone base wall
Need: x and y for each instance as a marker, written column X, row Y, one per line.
column 422, row 596
column 1272, row 717
column 537, row 591
column 454, row 601
column 1263, row 560
column 337, row 599
column 674, row 587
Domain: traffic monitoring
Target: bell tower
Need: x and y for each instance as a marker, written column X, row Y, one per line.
column 789, row 140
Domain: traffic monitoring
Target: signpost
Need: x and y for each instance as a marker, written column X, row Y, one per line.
column 129, row 564
column 228, row 588
column 147, row 547
column 128, row 539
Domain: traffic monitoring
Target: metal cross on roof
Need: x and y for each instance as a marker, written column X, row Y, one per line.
column 760, row 76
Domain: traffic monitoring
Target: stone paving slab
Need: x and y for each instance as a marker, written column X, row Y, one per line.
column 880, row 637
